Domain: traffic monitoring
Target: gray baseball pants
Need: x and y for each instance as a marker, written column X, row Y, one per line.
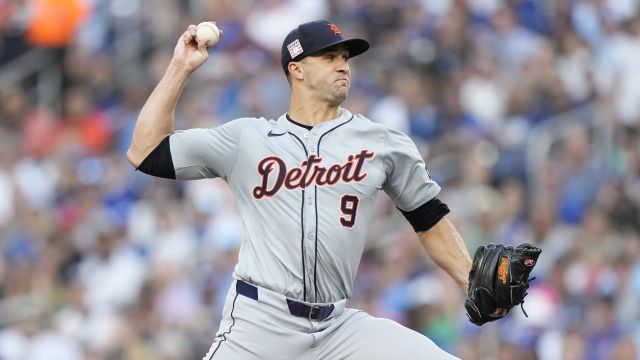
column 257, row 324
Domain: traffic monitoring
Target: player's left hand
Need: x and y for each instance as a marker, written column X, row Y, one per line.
column 498, row 280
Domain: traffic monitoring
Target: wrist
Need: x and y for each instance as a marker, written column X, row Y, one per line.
column 464, row 285
column 178, row 69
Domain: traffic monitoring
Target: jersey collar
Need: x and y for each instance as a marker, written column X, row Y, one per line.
column 319, row 129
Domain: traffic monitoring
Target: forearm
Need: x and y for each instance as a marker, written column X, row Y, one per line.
column 445, row 246
column 156, row 119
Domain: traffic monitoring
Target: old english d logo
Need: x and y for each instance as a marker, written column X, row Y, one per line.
column 335, row 29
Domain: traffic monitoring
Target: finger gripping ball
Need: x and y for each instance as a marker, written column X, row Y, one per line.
column 208, row 32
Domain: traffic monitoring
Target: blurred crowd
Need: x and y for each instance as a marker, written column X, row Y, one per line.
column 527, row 113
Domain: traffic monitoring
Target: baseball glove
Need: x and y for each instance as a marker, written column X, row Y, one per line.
column 499, row 279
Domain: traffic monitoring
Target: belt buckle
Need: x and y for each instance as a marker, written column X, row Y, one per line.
column 311, row 308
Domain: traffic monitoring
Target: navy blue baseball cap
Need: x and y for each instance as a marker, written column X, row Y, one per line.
column 313, row 37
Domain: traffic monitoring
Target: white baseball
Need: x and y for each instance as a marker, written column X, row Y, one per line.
column 208, row 31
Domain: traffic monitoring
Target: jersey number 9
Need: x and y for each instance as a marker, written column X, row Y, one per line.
column 348, row 206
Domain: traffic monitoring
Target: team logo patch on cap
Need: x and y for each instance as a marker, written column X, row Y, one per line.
column 335, row 29
column 295, row 48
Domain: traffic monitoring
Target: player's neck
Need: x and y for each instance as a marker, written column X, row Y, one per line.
column 312, row 112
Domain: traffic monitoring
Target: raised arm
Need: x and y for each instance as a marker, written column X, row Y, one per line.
column 156, row 118
column 445, row 246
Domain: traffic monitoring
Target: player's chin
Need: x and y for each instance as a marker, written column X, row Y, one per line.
column 338, row 98
column 341, row 91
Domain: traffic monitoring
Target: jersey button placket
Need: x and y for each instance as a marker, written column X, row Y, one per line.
column 310, row 222
column 310, row 261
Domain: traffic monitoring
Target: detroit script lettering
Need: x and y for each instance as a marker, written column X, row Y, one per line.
column 309, row 173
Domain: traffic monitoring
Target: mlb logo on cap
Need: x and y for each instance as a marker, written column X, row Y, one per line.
column 313, row 37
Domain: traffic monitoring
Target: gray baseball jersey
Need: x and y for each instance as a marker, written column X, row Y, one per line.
column 305, row 196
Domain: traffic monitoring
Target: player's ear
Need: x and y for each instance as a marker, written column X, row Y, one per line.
column 295, row 69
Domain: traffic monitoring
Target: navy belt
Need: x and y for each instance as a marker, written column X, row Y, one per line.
column 296, row 308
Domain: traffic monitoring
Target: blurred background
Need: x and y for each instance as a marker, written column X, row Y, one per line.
column 527, row 112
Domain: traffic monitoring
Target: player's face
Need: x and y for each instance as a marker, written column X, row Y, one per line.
column 328, row 74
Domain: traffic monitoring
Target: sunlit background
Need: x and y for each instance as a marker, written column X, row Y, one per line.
column 526, row 111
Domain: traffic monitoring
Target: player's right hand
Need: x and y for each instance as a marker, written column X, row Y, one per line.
column 189, row 54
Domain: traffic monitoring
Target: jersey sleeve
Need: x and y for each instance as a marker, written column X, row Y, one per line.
column 408, row 182
column 206, row 153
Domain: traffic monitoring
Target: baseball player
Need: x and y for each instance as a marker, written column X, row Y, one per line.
column 305, row 185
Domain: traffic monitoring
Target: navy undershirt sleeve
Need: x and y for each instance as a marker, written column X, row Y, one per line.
column 427, row 215
column 159, row 163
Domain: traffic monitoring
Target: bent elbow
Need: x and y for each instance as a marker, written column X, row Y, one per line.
column 134, row 157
